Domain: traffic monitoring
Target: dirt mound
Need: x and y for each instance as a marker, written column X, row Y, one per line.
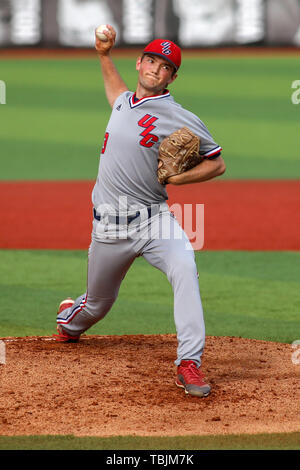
column 118, row 385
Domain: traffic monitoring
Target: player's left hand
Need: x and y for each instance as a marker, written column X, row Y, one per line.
column 175, row 179
column 178, row 152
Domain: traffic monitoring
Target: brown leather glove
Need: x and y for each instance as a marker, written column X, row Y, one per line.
column 178, row 153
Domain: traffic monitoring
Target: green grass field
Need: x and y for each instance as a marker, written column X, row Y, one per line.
column 52, row 129
column 288, row 441
column 248, row 294
column 56, row 114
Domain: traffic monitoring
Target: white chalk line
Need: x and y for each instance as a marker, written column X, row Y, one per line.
column 19, row 340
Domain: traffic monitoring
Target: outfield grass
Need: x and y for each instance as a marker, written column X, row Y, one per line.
column 56, row 114
column 248, row 294
column 284, row 441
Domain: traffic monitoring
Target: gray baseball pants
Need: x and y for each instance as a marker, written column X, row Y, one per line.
column 162, row 242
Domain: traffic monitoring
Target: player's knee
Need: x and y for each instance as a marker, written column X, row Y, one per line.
column 98, row 307
column 182, row 267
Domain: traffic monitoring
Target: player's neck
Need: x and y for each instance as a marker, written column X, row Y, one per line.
column 142, row 92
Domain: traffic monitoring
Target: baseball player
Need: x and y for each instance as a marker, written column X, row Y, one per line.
column 131, row 216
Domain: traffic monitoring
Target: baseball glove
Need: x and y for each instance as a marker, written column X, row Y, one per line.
column 178, row 153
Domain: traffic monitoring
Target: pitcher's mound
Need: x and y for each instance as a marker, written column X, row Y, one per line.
column 118, row 385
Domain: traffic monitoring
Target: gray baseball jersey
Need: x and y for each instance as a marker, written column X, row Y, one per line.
column 128, row 172
column 129, row 158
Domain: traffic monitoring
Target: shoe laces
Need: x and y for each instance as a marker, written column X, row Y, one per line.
column 191, row 373
column 62, row 336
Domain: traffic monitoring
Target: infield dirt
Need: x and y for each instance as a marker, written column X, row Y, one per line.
column 121, row 385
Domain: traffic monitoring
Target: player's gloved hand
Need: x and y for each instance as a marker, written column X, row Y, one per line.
column 104, row 47
column 178, row 153
column 175, row 179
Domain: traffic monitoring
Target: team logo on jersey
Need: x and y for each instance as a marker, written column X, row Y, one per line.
column 147, row 122
column 166, row 47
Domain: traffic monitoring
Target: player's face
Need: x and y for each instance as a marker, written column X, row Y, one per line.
column 155, row 73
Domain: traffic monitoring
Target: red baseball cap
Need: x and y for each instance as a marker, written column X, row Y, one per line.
column 166, row 49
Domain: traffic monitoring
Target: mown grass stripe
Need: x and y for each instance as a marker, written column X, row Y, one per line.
column 251, row 294
column 245, row 102
column 280, row 441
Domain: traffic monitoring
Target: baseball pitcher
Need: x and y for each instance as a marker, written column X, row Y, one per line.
column 150, row 142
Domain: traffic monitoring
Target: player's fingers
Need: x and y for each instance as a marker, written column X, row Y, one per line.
column 111, row 31
column 110, row 34
column 108, row 31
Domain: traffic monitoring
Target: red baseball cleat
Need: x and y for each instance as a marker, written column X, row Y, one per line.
column 62, row 336
column 191, row 379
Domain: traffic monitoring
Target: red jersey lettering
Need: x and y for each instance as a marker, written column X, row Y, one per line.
column 148, row 139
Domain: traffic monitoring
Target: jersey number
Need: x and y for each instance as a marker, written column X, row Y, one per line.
column 147, row 122
column 105, row 142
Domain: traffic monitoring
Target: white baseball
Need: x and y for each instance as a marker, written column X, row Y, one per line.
column 99, row 32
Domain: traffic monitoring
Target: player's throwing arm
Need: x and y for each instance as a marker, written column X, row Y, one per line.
column 113, row 83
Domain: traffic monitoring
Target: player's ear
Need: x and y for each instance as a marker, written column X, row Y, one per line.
column 174, row 76
column 138, row 63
